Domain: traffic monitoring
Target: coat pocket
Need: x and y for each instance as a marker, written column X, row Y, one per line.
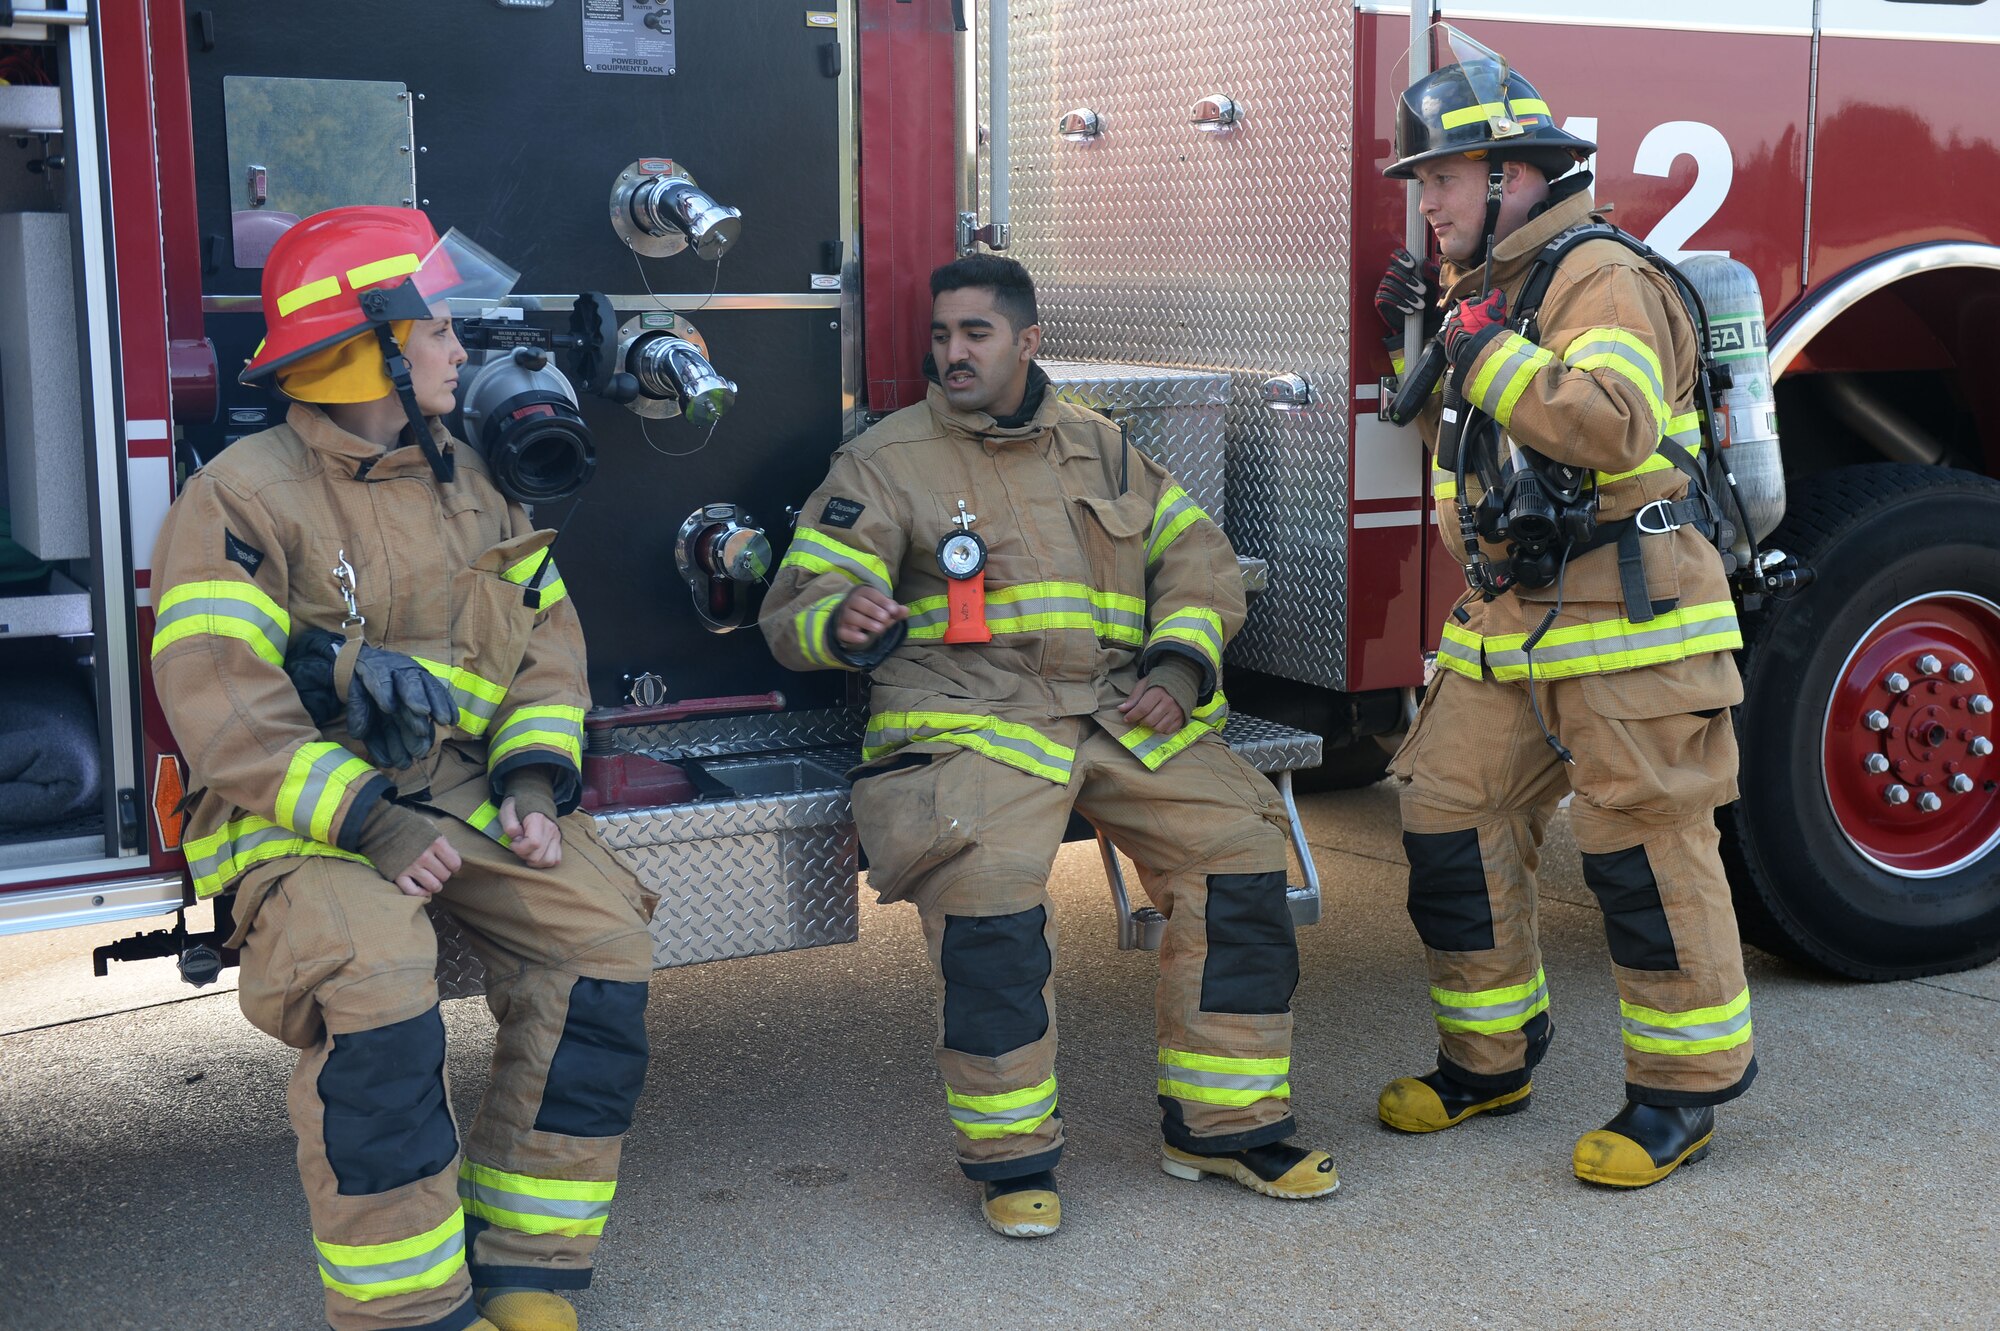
column 492, row 617
column 1113, row 535
column 914, row 817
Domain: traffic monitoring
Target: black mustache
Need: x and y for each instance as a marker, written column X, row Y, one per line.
column 956, row 366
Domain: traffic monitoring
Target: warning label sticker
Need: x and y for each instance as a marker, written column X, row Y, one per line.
column 628, row 36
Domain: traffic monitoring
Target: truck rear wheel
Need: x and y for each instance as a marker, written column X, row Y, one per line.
column 1867, row 838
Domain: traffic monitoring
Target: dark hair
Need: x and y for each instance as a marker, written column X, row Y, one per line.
column 1013, row 290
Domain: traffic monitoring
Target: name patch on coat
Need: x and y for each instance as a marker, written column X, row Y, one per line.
column 242, row 552
column 841, row 512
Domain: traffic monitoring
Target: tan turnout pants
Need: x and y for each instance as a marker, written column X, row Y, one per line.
column 340, row 965
column 1655, row 755
column 971, row 842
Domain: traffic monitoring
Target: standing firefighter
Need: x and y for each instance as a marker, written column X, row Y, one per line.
column 1592, row 656
column 364, row 551
column 1044, row 612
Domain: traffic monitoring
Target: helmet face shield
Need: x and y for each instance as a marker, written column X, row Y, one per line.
column 457, row 268
column 1480, row 107
column 1487, row 75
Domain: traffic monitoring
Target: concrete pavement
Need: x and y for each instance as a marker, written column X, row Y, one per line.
column 791, row 1168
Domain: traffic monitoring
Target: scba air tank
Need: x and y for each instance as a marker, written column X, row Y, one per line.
column 1747, row 408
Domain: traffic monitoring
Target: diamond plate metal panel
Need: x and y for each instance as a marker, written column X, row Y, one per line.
column 1175, row 417
column 1270, row 747
column 736, row 878
column 1160, row 244
column 758, row 732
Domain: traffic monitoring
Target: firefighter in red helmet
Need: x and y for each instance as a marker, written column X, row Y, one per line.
column 1591, row 654
column 377, row 678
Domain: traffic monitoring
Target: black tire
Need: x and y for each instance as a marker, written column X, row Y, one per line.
column 1875, row 537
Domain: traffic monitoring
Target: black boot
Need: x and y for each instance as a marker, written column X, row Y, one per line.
column 1025, row 1207
column 1433, row 1102
column 1644, row 1144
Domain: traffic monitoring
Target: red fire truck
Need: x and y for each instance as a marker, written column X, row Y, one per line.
column 734, row 207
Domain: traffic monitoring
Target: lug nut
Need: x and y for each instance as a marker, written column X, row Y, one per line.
column 1981, row 747
column 1876, row 720
column 1961, row 784
column 1897, row 794
column 1876, row 764
column 1929, row 664
column 1896, row 682
column 1961, row 673
column 1929, row 802
column 1980, row 704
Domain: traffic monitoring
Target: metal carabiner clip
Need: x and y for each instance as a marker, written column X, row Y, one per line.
column 1666, row 515
column 343, row 578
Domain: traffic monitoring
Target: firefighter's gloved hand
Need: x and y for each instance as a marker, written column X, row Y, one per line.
column 309, row 662
column 1468, row 319
column 394, row 707
column 1406, row 289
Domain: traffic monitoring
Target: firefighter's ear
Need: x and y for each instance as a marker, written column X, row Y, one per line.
column 1029, row 342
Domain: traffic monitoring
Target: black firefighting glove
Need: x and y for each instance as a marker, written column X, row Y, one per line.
column 1407, row 289
column 393, row 705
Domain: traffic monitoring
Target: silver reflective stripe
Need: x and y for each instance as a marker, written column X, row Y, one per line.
column 314, row 788
column 235, row 847
column 381, row 1273
column 224, row 608
column 1634, row 639
column 522, row 1203
column 1493, row 1011
column 1459, row 651
column 1623, row 353
column 897, row 736
column 1714, row 1030
column 1020, row 1114
column 1226, row 1081
column 544, row 725
column 1498, row 381
column 1108, row 617
column 924, row 619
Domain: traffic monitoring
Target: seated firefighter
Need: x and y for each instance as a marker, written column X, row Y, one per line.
column 333, row 592
column 1044, row 613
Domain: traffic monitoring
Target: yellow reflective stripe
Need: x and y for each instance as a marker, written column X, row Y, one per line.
column 1212, row 1079
column 1628, row 357
column 1508, row 365
column 1174, row 514
column 1006, row 742
column 1217, row 1063
column 223, row 609
column 310, row 294
column 554, row 727
column 1490, row 1011
column 482, row 697
column 1444, row 484
column 529, row 1205
column 486, row 820
column 1202, row 628
column 521, row 570
column 1704, row 1030
column 218, row 859
column 1396, row 363
column 1683, row 430
column 814, row 627
column 1594, row 648
column 1519, row 106
column 816, row 552
column 382, row 1270
column 318, row 777
column 1153, row 749
column 552, row 591
column 1008, row 1113
column 382, row 270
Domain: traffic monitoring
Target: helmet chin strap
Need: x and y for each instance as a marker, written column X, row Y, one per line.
column 1496, row 187
column 380, row 311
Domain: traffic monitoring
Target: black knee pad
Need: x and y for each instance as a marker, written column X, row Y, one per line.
column 386, row 1120
column 600, row 1063
column 1253, row 954
column 1448, row 901
column 1635, row 922
column 994, row 969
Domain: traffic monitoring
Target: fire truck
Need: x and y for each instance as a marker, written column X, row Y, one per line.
column 725, row 214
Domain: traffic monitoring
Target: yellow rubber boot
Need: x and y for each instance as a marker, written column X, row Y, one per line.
column 1434, row 1102
column 526, row 1310
column 1643, row 1145
column 1276, row 1169
column 1025, row 1207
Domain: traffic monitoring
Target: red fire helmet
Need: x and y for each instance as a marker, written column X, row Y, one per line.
column 318, row 270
